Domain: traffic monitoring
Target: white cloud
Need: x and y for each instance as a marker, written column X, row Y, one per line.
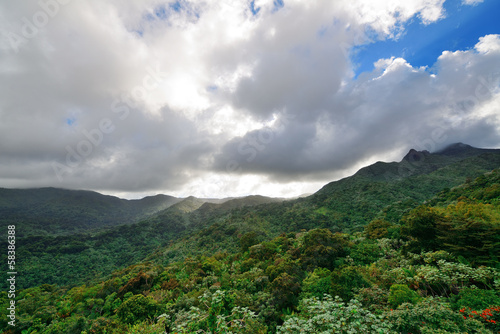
column 384, row 16
column 489, row 43
column 471, row 2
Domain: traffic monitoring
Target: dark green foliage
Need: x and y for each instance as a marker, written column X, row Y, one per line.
column 285, row 290
column 401, row 293
column 459, row 223
column 346, row 281
column 377, row 229
column 249, row 239
column 317, row 283
column 342, row 282
column 421, row 228
column 136, row 309
column 476, row 299
column 322, row 248
column 365, row 252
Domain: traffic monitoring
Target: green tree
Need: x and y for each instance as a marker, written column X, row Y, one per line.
column 377, row 229
column 248, row 239
column 317, row 283
column 321, row 248
column 137, row 308
column 420, row 227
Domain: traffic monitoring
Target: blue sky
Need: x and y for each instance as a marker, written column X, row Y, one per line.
column 422, row 44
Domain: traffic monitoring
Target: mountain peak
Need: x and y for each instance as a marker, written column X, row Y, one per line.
column 457, row 149
column 414, row 155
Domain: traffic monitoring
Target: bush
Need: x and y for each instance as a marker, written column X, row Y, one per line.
column 366, row 252
column 215, row 316
column 248, row 240
column 476, row 299
column 400, row 293
column 373, row 298
column 321, row 248
column 346, row 281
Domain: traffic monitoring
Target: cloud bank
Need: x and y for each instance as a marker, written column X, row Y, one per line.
column 225, row 98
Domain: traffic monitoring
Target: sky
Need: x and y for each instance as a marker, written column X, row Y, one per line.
column 235, row 97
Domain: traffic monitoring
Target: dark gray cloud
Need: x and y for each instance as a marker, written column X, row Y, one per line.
column 394, row 108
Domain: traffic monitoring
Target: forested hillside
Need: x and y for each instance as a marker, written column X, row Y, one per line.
column 434, row 271
column 51, row 211
column 408, row 247
column 74, row 258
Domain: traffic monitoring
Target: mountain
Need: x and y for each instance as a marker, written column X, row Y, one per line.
column 356, row 200
column 461, row 150
column 381, row 191
column 420, row 162
column 51, row 211
column 91, row 253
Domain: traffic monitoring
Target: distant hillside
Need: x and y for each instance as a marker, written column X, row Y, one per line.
column 192, row 203
column 237, row 203
column 188, row 204
column 107, row 247
column 382, row 190
column 51, row 211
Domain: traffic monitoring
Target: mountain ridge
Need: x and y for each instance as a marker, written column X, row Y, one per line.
column 381, row 191
column 49, row 210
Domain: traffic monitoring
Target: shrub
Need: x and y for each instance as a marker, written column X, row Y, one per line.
column 366, row 252
column 345, row 281
column 215, row 316
column 373, row 298
column 476, row 299
column 400, row 293
column 321, row 248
